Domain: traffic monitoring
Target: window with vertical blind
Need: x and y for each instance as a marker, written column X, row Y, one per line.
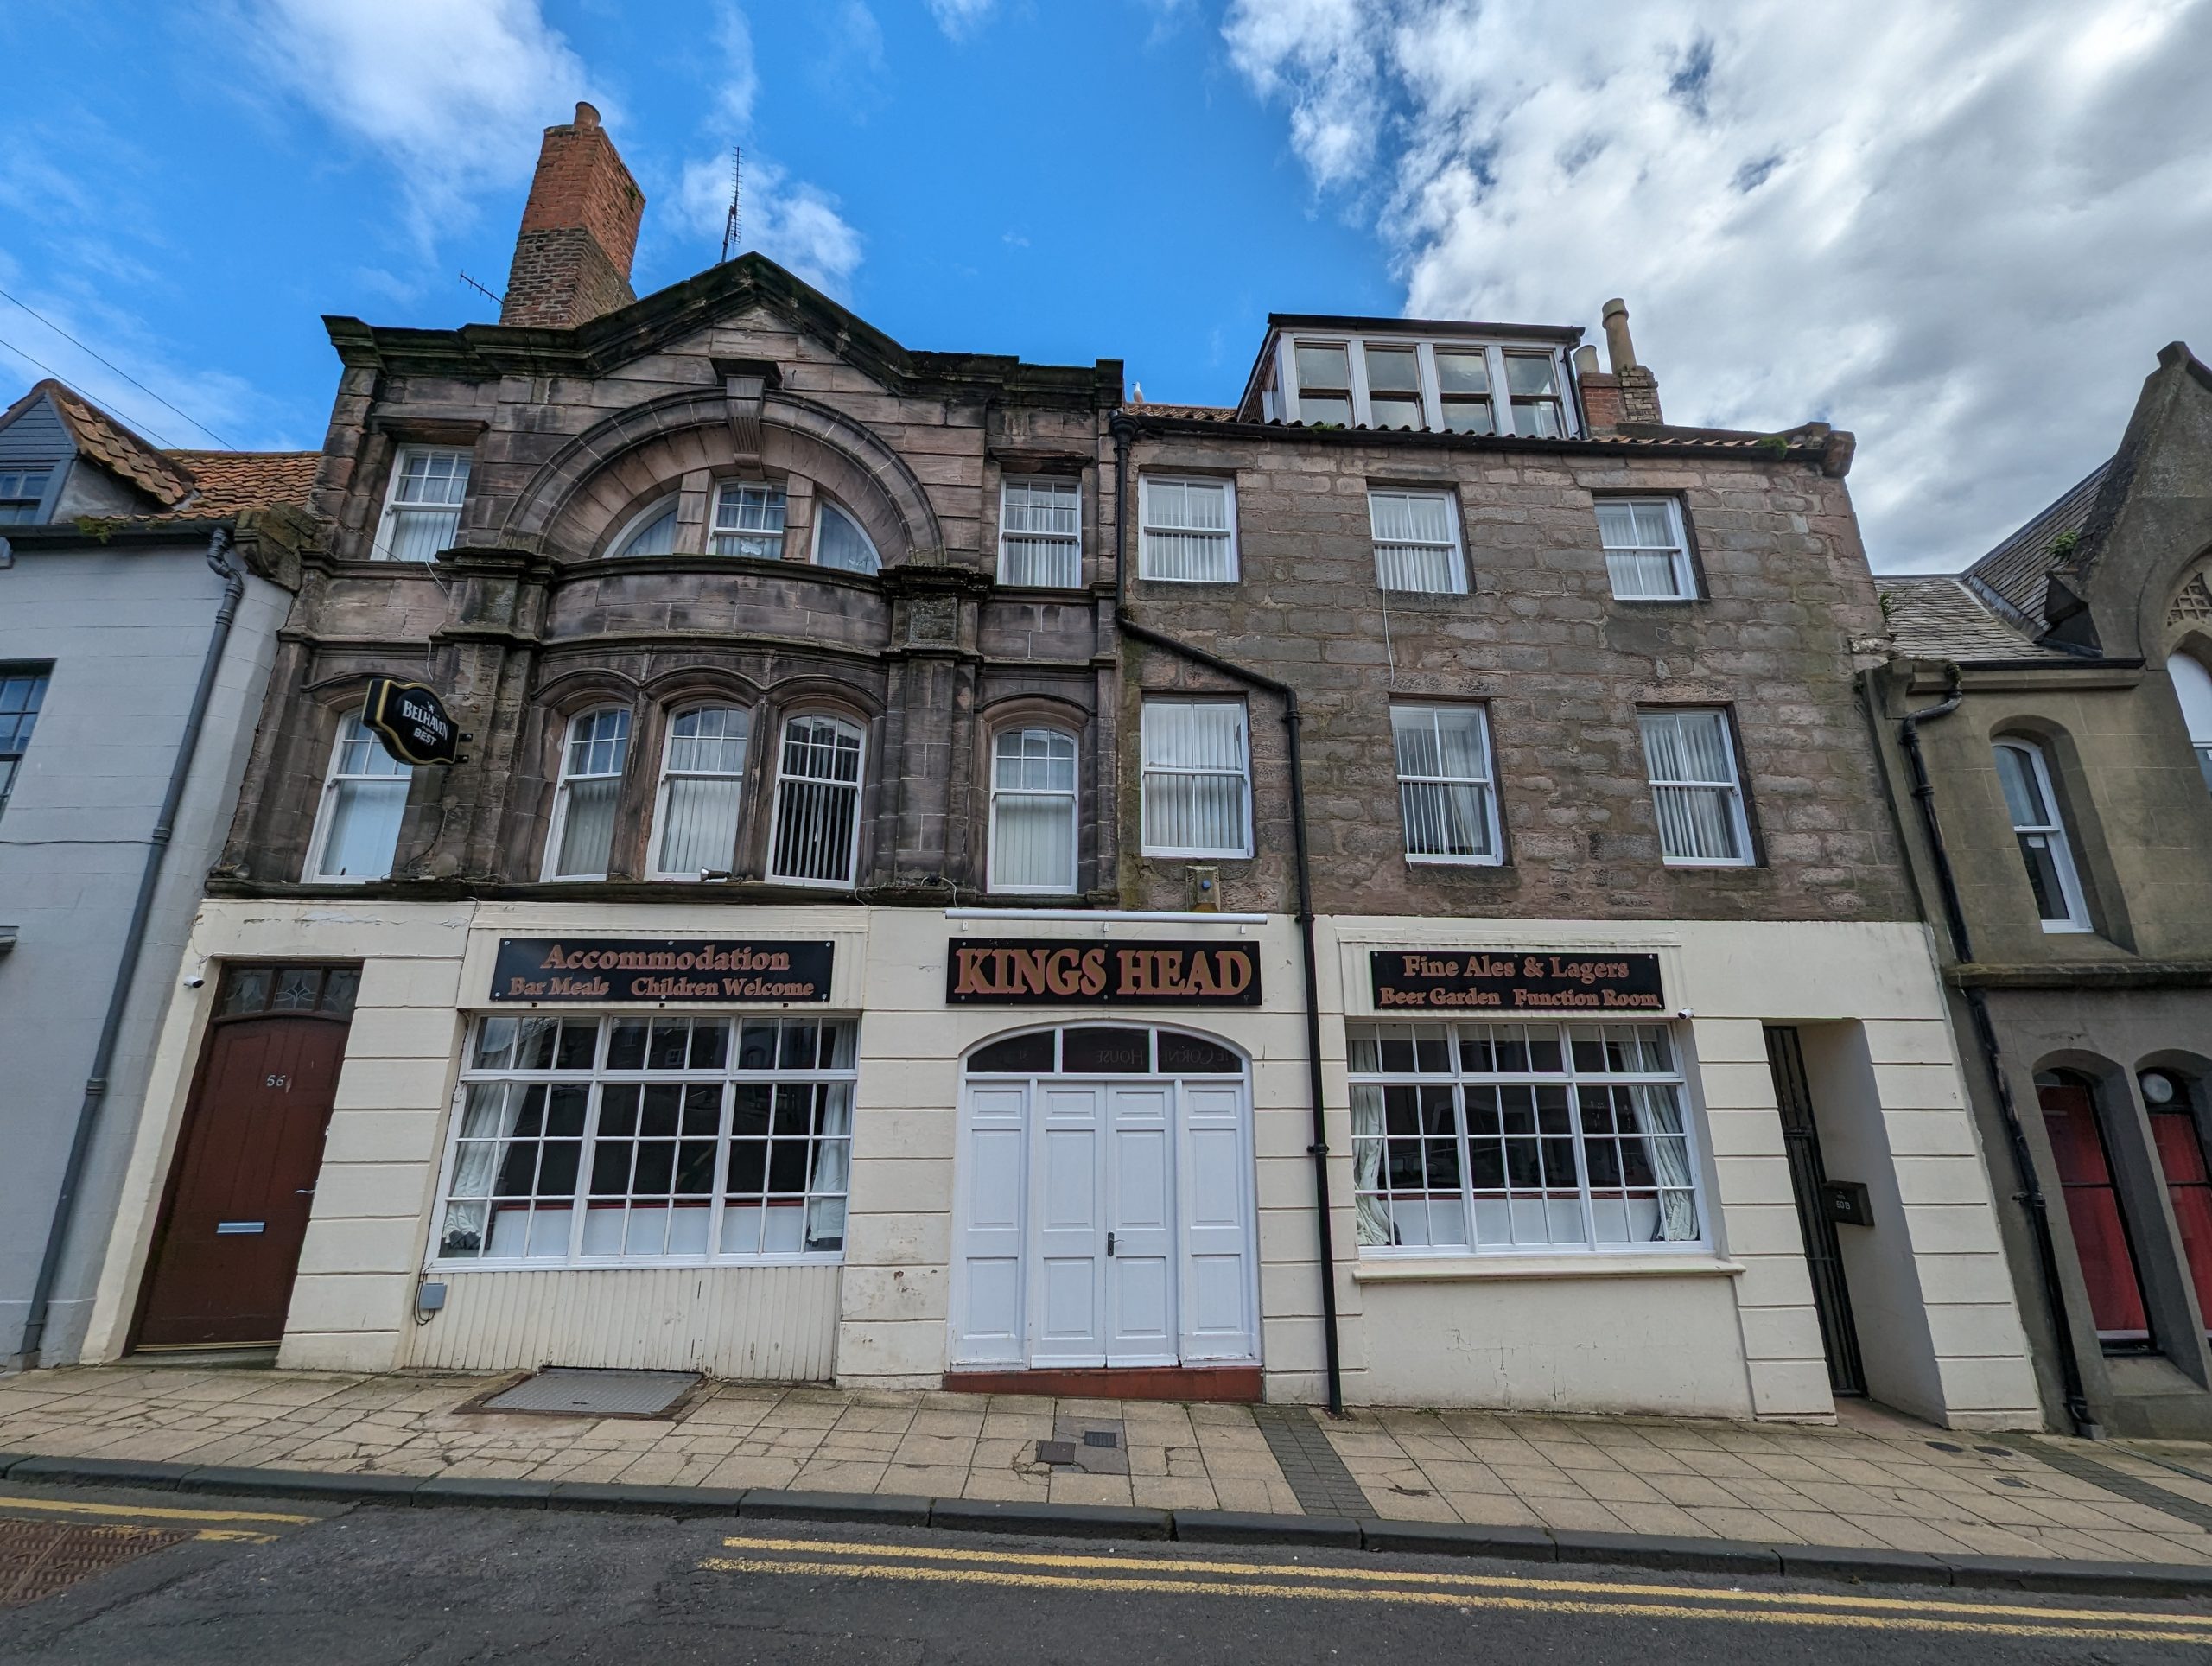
column 1189, row 531
column 1445, row 791
column 581, row 842
column 422, row 511
column 652, row 1138
column 1647, row 552
column 2023, row 773
column 1416, row 541
column 1040, row 533
column 364, row 800
column 815, row 839
column 841, row 541
column 702, row 788
column 650, row 532
column 1198, row 785
column 1032, row 811
column 1695, row 788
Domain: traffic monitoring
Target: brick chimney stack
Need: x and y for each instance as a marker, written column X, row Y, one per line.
column 1638, row 394
column 579, row 230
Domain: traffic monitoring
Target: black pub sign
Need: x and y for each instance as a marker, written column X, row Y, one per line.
column 1084, row 972
column 660, row 969
column 412, row 721
column 1544, row 981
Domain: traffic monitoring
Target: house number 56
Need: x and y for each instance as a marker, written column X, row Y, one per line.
column 276, row 1081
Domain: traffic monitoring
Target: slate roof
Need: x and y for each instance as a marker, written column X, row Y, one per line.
column 1812, row 440
column 2018, row 570
column 1938, row 616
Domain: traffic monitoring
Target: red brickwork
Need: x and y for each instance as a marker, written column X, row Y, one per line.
column 579, row 230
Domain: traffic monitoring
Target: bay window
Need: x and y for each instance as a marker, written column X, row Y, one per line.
column 421, row 510
column 817, row 837
column 2024, row 774
column 1444, row 783
column 652, row 1138
column 1033, row 812
column 702, row 786
column 581, row 842
column 364, row 798
column 1188, row 530
column 1196, row 788
column 1470, row 1139
column 1040, row 533
column 1691, row 759
column 1416, row 542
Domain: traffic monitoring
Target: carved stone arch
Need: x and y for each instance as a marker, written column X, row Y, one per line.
column 612, row 468
column 811, row 691
column 1034, row 709
column 703, row 685
column 584, row 689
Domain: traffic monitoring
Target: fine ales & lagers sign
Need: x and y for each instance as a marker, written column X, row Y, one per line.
column 1055, row 972
column 660, row 969
column 412, row 721
column 1542, row 981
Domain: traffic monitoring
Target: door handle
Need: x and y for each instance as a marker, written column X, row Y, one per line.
column 1109, row 1243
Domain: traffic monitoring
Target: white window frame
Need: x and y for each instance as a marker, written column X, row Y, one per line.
column 1072, row 797
column 858, row 785
column 599, row 1075
column 823, row 508
column 1485, row 783
column 1457, row 1072
column 559, row 827
column 1494, row 353
column 1678, row 555
column 716, row 530
column 1146, row 483
column 2059, row 845
column 388, row 517
column 1146, row 769
column 664, row 790
column 326, row 808
column 618, row 548
column 1455, row 548
column 1739, row 814
column 1070, row 545
column 2193, row 691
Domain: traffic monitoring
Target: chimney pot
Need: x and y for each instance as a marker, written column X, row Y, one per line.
column 586, row 115
column 1619, row 346
column 579, row 230
column 1586, row 360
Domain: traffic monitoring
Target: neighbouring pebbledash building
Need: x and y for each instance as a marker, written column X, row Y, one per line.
column 912, row 868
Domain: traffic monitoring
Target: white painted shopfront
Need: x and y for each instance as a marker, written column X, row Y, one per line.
column 1544, row 1211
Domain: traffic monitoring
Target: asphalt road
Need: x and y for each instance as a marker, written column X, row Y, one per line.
column 237, row 1583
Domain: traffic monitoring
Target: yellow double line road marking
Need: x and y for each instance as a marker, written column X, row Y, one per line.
column 939, row 1565
column 246, row 1525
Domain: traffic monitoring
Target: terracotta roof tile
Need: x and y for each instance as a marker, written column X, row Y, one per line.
column 1800, row 441
column 114, row 447
column 232, row 482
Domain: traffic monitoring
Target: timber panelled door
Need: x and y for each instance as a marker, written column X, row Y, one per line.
column 2103, row 1245
column 1105, row 1213
column 1809, row 1176
column 228, row 1246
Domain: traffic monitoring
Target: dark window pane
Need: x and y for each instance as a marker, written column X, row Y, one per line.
column 709, row 1045
column 517, row 1170
column 1559, row 1163
column 610, row 1168
column 1604, row 1163
column 756, row 1048
column 794, row 1110
column 1194, row 1055
column 666, row 1049
column 1522, row 1169
column 564, row 1110
column 340, row 989
column 787, row 1166
column 702, row 1109
column 1443, row 1165
column 748, row 1167
column 1107, row 1052
column 800, row 1043
column 1403, row 1163
column 534, row 1044
column 529, row 1120
column 1022, row 1055
column 626, row 1048
column 1438, row 1115
column 1401, row 1111
column 246, row 991
column 663, row 1100
column 656, row 1167
column 695, row 1167
column 617, row 1109
column 578, row 1042
column 1486, row 1166
column 556, row 1175
column 750, row 1113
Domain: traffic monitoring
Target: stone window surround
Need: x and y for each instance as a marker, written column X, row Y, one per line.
column 1021, row 711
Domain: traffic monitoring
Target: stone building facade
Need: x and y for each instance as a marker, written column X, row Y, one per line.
column 943, row 862
column 2061, row 689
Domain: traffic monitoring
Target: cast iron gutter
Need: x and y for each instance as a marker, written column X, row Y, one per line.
column 157, row 844
column 2030, row 1193
column 1124, row 430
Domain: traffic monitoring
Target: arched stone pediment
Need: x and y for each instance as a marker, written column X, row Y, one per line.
column 606, row 473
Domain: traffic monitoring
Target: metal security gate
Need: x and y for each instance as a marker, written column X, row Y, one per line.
column 1801, row 1139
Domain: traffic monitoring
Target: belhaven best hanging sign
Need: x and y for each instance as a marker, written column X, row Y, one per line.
column 1054, row 972
column 1547, row 980
column 412, row 721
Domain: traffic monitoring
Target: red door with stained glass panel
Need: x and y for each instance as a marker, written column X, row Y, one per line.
column 2093, row 1211
column 228, row 1247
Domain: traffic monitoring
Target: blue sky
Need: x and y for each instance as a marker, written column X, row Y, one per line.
column 1962, row 228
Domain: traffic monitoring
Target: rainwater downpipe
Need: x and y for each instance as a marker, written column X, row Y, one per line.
column 134, row 941
column 2031, row 1195
column 1124, row 431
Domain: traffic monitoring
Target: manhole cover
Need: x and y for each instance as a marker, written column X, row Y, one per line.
column 1056, row 1452
column 1946, row 1445
column 600, row 1394
column 1997, row 1452
column 40, row 1558
column 1101, row 1438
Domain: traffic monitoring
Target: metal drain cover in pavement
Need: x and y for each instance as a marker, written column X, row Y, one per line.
column 40, row 1558
column 597, row 1393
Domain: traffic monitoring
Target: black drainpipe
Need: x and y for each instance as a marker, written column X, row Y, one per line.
column 2030, row 1193
column 157, row 844
column 1124, row 430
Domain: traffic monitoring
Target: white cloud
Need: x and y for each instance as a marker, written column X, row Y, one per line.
column 741, row 79
column 960, row 18
column 454, row 93
column 793, row 222
column 1962, row 231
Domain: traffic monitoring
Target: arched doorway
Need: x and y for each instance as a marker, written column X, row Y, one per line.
column 2103, row 1245
column 1103, row 1207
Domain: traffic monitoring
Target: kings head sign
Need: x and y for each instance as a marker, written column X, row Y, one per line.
column 1049, row 972
column 1461, row 981
column 690, row 969
column 412, row 721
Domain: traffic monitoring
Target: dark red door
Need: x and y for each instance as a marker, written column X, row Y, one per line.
column 2188, row 1183
column 2093, row 1209
column 229, row 1247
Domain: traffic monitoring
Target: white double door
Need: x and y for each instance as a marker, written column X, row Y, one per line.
column 1105, row 1223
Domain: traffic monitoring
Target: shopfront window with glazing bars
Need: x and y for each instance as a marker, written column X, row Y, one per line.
column 596, row 1141
column 1483, row 1138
